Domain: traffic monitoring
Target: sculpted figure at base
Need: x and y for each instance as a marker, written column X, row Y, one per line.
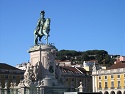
column 31, row 72
column 27, row 74
column 35, row 71
column 42, row 28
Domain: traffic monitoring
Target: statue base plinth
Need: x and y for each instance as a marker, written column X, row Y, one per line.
column 43, row 55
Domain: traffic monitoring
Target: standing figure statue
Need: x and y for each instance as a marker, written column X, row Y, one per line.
column 35, row 71
column 27, row 74
column 42, row 28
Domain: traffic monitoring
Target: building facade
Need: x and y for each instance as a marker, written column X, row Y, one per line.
column 111, row 80
column 72, row 76
column 9, row 74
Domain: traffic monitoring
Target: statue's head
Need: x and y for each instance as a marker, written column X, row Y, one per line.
column 42, row 13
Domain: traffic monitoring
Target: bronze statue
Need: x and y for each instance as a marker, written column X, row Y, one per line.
column 42, row 28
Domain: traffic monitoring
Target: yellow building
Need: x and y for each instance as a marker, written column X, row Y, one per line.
column 9, row 74
column 72, row 76
column 111, row 80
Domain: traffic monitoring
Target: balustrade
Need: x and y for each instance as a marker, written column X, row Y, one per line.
column 121, row 70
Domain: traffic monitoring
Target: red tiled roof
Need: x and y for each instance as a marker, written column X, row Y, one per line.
column 70, row 69
column 120, row 64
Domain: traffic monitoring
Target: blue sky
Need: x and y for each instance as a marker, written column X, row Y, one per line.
column 75, row 25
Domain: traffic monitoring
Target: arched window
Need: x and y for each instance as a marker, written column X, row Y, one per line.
column 100, row 92
column 106, row 92
column 119, row 92
column 112, row 92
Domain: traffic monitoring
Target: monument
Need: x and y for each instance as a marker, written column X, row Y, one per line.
column 40, row 71
column 39, row 77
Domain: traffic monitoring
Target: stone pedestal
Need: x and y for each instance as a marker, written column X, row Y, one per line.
column 45, row 55
column 40, row 73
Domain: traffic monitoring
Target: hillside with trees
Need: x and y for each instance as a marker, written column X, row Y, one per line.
column 101, row 56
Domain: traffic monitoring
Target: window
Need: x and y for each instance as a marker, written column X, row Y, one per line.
column 106, row 85
column 6, row 77
column 66, row 79
column 112, row 85
column 118, row 84
column 118, row 76
column 105, row 77
column 100, row 85
column 72, row 79
column 14, row 77
column 99, row 77
column 112, row 76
